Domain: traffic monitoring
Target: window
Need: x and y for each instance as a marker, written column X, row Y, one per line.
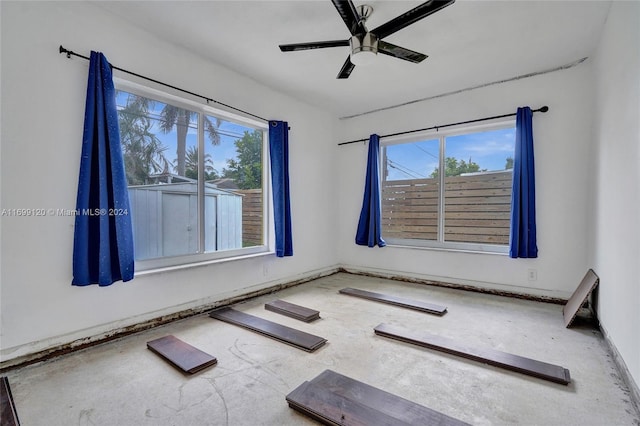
column 467, row 207
column 195, row 177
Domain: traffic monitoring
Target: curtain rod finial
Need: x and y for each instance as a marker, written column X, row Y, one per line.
column 544, row 109
column 63, row 50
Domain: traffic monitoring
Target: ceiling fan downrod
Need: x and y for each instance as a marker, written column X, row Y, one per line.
column 364, row 11
column 365, row 42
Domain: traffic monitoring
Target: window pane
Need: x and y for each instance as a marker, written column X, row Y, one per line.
column 195, row 180
column 159, row 146
column 478, row 179
column 410, row 190
column 234, row 199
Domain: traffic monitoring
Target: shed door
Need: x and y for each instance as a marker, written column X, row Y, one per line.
column 179, row 224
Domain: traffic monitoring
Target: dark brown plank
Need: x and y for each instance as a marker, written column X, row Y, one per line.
column 292, row 310
column 332, row 409
column 577, row 299
column 291, row 336
column 397, row 301
column 8, row 413
column 403, row 410
column 531, row 367
column 180, row 354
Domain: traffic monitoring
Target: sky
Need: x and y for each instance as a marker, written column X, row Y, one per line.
column 419, row 159
column 229, row 133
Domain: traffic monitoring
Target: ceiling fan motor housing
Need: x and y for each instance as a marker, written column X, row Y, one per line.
column 364, row 47
column 364, row 43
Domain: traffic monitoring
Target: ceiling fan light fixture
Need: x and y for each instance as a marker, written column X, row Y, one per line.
column 364, row 49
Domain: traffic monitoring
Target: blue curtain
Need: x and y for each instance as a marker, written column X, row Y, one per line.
column 369, row 231
column 103, row 240
column 279, row 155
column 523, row 199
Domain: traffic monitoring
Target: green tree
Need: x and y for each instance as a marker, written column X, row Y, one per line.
column 246, row 171
column 455, row 167
column 142, row 151
column 508, row 163
column 191, row 165
column 173, row 116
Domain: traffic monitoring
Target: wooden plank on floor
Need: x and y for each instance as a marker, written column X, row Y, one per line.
column 332, row 409
column 291, row 336
column 181, row 355
column 577, row 299
column 397, row 301
column 8, row 413
column 334, row 399
column 386, row 403
column 531, row 367
column 292, row 310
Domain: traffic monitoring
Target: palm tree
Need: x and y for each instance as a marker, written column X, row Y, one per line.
column 142, row 151
column 191, row 160
column 180, row 118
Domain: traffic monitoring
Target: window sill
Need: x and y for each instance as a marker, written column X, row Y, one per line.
column 451, row 249
column 197, row 264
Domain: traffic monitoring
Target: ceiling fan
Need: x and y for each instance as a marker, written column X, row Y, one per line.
column 366, row 44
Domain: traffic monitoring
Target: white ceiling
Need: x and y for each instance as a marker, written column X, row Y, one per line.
column 469, row 43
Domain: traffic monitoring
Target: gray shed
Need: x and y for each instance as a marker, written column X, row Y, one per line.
column 165, row 219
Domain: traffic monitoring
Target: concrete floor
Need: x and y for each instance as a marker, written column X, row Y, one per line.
column 123, row 383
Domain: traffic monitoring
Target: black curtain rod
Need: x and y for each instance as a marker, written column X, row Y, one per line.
column 541, row 109
column 70, row 52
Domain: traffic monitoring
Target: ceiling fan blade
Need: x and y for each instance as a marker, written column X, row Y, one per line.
column 347, row 68
column 400, row 52
column 313, row 45
column 350, row 16
column 410, row 17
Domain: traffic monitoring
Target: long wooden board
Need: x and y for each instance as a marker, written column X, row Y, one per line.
column 528, row 366
column 292, row 310
column 397, row 301
column 386, row 403
column 334, row 399
column 332, row 409
column 577, row 299
column 291, row 336
column 8, row 413
column 181, row 355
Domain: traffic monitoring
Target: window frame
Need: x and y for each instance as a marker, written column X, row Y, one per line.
column 202, row 257
column 441, row 136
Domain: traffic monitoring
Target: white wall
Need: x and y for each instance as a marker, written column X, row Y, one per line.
column 615, row 249
column 584, row 218
column 561, row 137
column 42, row 118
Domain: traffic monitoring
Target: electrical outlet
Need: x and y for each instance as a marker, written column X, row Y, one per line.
column 532, row 274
